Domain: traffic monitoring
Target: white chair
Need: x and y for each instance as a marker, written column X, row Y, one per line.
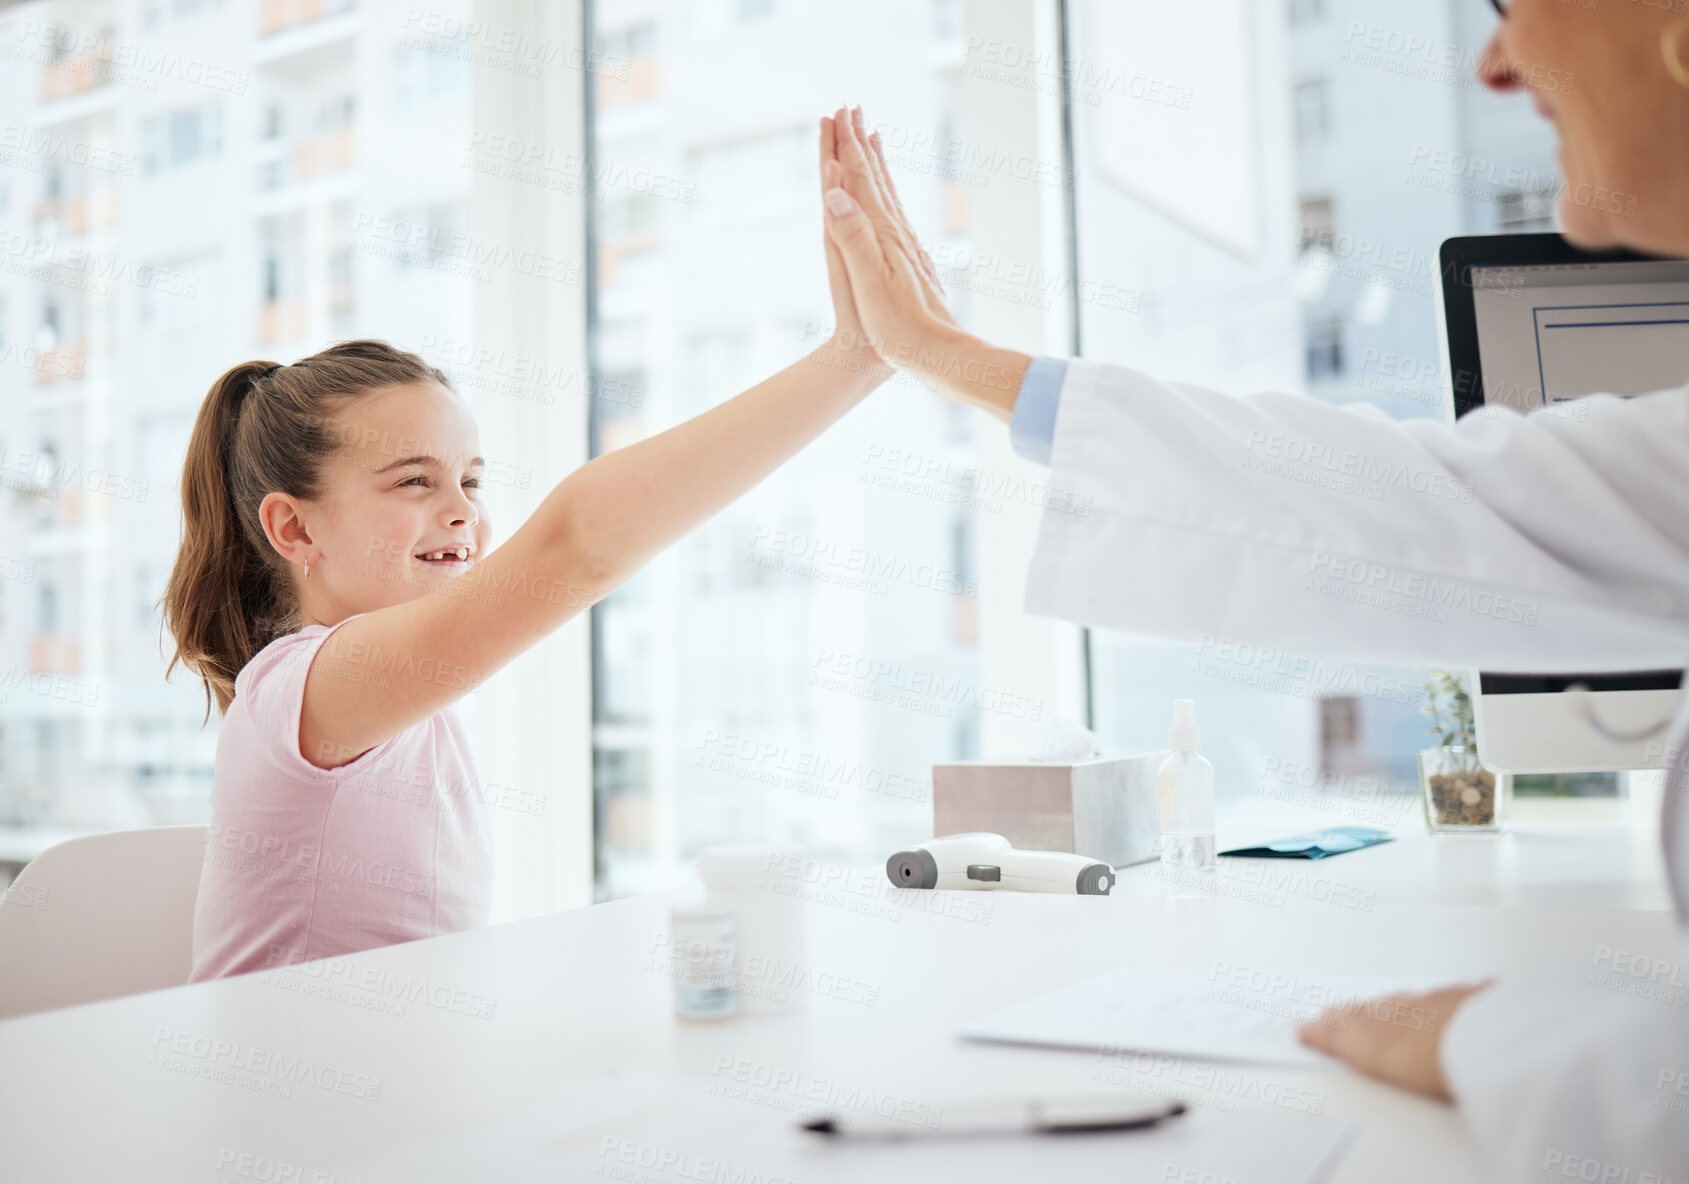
column 98, row 917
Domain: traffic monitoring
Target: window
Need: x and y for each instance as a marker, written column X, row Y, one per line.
column 179, row 293
column 1325, row 349
column 423, row 235
column 424, row 74
column 49, row 751
column 337, row 114
column 1306, row 12
column 149, row 587
column 342, row 271
column 155, row 13
column 1340, row 729
column 1319, row 223
column 633, row 41
column 1276, row 723
column 1526, row 212
column 191, row 268
column 1312, row 107
column 735, row 676
column 47, row 609
column 161, row 442
column 949, row 19
column 769, row 171
column 631, row 72
column 181, row 138
column 628, row 214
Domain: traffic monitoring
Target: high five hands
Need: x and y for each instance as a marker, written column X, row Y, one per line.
column 894, row 296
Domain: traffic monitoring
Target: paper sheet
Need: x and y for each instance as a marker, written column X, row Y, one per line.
column 1243, row 1015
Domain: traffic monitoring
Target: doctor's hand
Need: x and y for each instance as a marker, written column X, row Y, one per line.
column 1395, row 1039
column 894, row 283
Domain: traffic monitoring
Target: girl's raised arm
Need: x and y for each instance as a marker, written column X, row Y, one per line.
column 598, row 527
column 592, row 532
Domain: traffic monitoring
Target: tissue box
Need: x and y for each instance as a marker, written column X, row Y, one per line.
column 1100, row 807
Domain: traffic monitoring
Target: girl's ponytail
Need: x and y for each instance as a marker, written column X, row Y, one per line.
column 221, row 597
column 262, row 428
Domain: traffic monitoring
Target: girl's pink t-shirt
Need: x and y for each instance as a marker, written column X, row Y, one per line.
column 305, row 863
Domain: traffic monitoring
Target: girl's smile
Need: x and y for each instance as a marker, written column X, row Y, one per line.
column 454, row 558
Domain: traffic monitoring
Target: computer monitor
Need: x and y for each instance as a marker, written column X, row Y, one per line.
column 1529, row 321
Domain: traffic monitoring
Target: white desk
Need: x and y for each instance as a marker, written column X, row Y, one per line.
column 573, row 997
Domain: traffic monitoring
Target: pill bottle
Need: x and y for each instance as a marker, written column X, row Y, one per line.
column 763, row 887
column 703, row 942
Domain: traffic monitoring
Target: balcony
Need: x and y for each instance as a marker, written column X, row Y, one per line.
column 644, row 80
column 278, row 16
column 617, row 254
column 86, row 212
column 58, row 511
column 306, row 159
column 77, row 75
column 67, row 364
column 332, row 152
column 281, row 320
column 55, row 654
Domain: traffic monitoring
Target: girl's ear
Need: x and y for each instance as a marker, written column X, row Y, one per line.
column 284, row 525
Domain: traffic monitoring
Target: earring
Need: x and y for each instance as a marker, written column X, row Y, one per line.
column 307, row 571
column 1671, row 51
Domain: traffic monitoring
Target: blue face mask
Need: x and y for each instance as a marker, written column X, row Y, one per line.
column 1316, row 844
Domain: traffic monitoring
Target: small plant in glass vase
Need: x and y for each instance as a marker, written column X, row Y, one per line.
column 1460, row 794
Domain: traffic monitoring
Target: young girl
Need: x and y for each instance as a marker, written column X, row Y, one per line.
column 337, row 592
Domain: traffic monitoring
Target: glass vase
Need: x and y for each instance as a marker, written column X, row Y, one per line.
column 1460, row 794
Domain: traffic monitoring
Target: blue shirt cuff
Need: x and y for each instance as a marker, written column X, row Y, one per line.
column 1032, row 425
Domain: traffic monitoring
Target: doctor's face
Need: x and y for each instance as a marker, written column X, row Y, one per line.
column 1602, row 74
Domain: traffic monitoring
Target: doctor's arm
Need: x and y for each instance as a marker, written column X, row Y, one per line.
column 1274, row 525
column 1544, row 542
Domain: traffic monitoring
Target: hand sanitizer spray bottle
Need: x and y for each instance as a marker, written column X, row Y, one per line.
column 1186, row 790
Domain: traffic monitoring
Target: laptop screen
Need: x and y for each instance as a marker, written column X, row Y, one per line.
column 1555, row 332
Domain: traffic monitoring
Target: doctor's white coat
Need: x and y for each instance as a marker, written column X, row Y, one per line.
column 1553, row 541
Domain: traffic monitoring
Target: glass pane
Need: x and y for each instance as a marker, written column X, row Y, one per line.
column 219, row 218
column 1303, row 259
column 792, row 670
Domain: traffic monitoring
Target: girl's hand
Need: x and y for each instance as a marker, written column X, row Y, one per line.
column 848, row 335
column 932, row 290
column 1393, row 1039
column 893, row 283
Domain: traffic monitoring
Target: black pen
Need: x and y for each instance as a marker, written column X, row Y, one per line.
column 1034, row 1116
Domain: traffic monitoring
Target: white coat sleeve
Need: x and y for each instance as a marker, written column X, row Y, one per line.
column 1546, row 542
column 1590, row 1085
column 1591, row 1082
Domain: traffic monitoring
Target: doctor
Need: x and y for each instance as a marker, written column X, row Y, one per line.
column 1200, row 525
